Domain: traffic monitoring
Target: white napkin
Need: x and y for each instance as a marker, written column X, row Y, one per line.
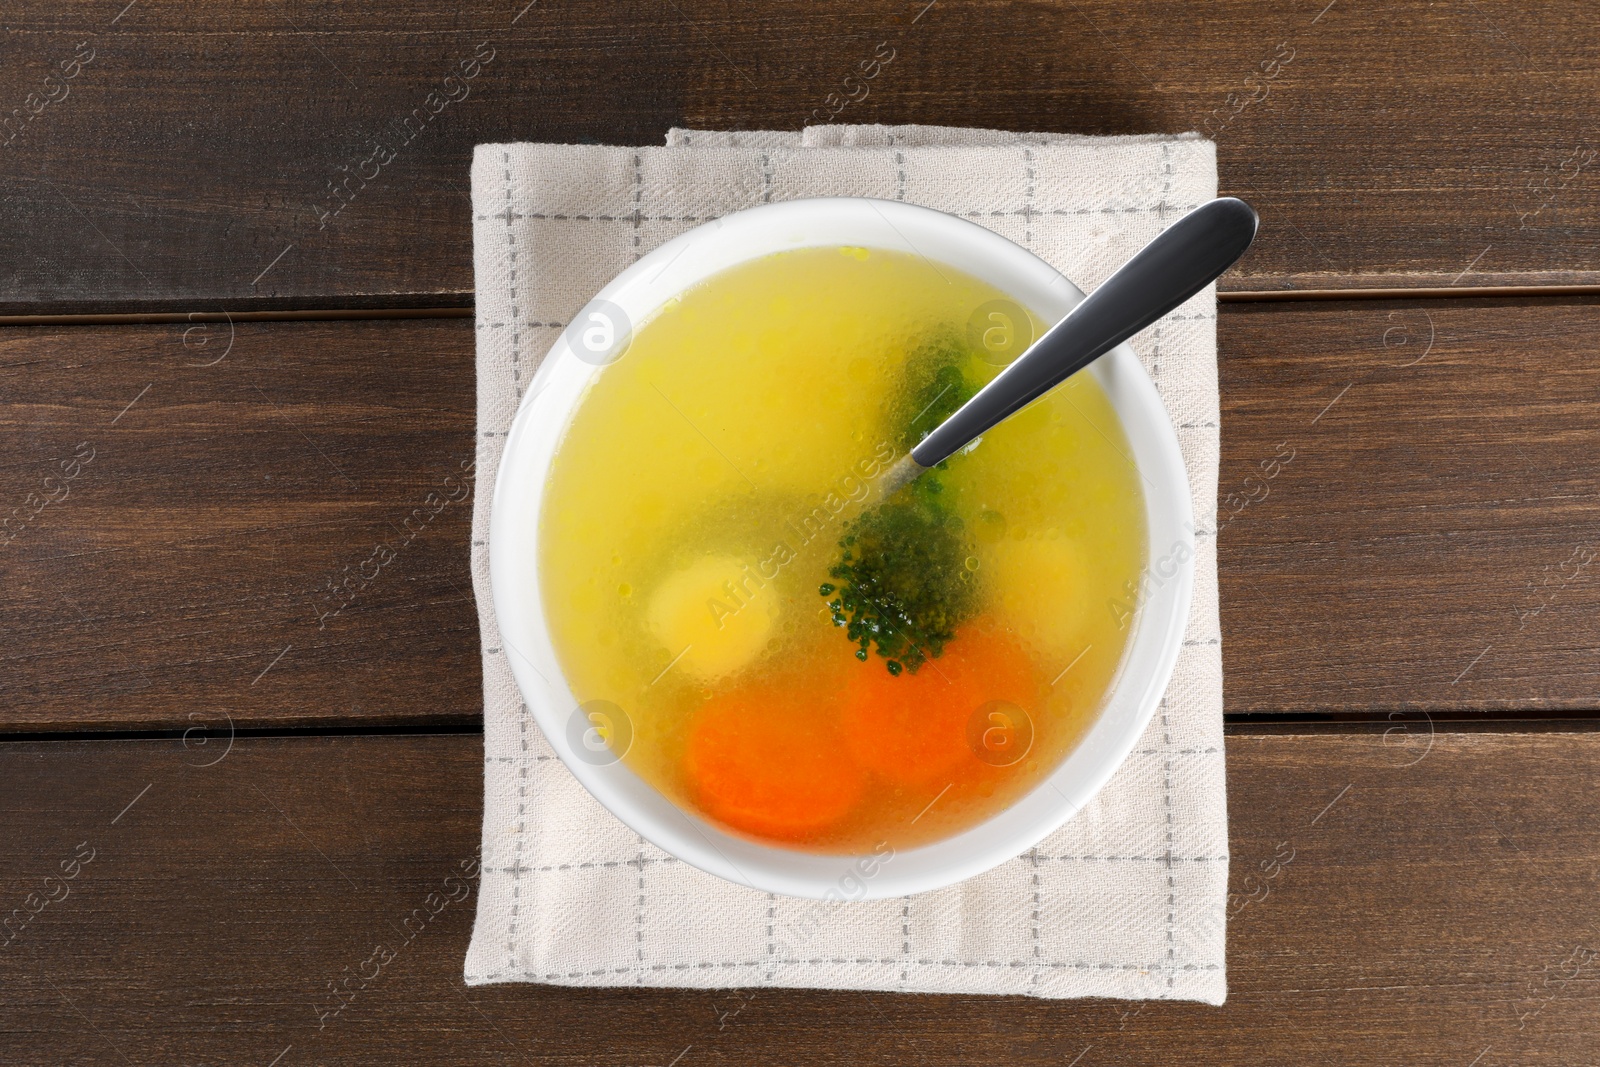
column 1127, row 899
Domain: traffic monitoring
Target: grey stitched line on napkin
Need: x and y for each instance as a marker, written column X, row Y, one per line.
column 1127, row 899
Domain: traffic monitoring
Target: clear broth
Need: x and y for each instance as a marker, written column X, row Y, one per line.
column 694, row 508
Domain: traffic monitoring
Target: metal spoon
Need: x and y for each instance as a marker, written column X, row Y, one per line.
column 1185, row 258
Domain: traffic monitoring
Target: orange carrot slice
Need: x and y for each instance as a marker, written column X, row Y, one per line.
column 914, row 728
column 770, row 762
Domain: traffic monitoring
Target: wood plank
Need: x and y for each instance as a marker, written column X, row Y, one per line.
column 1437, row 904
column 189, row 564
column 1425, row 548
column 189, row 162
column 1430, row 545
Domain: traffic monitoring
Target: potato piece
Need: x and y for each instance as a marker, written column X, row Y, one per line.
column 717, row 609
column 1044, row 592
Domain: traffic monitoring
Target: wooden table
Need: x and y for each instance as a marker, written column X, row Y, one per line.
column 218, row 394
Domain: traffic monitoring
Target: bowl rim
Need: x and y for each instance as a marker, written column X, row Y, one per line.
column 1150, row 653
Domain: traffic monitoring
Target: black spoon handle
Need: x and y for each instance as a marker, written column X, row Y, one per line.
column 1185, row 258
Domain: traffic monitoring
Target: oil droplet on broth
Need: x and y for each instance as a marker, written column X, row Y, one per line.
column 744, row 692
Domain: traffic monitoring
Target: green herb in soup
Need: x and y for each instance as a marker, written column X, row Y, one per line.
column 903, row 583
column 722, row 472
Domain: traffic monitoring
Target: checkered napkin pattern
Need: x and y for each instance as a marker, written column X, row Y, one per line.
column 1127, row 899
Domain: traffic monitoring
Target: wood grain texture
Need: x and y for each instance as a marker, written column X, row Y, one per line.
column 1420, row 918
column 1430, row 546
column 201, row 541
column 189, row 162
column 1424, row 549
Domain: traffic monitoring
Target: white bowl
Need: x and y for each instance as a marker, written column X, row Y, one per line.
column 1147, row 661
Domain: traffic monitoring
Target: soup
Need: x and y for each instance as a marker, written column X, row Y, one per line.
column 697, row 591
